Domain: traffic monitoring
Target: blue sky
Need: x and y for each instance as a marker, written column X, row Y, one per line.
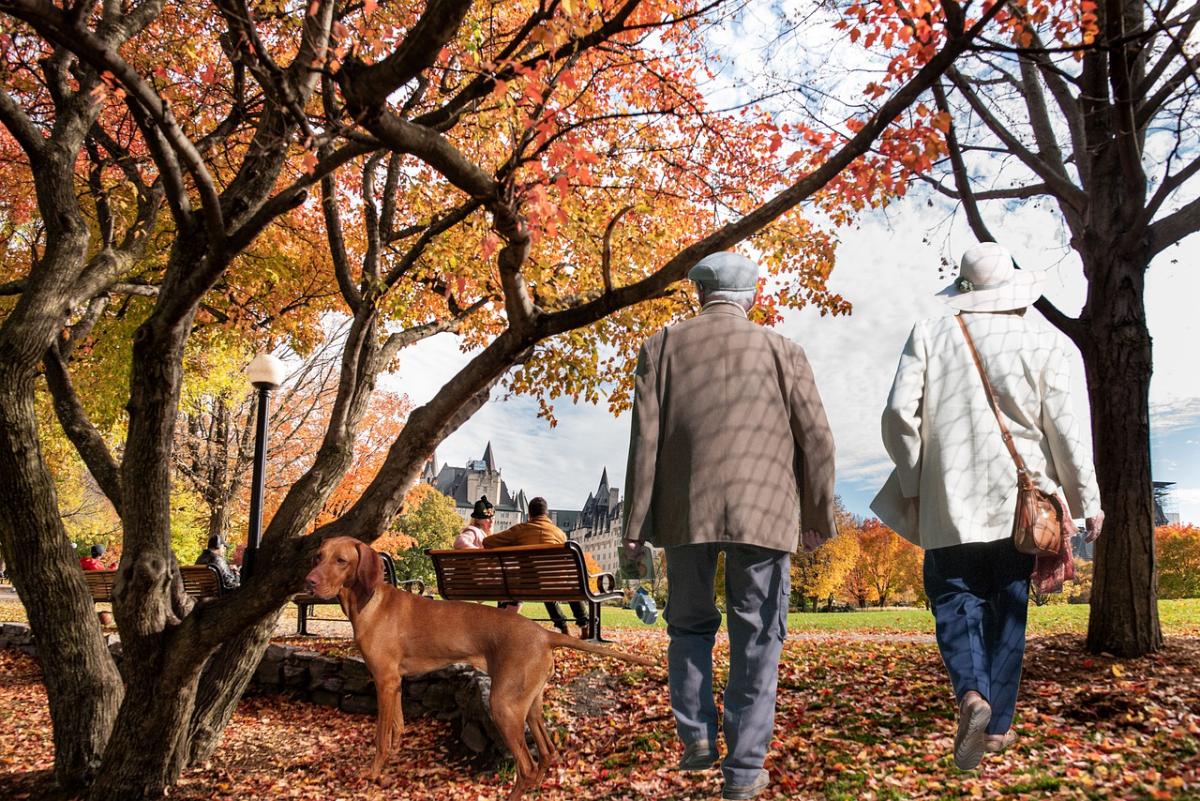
column 888, row 268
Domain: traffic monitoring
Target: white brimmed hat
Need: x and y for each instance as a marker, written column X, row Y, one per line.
column 989, row 281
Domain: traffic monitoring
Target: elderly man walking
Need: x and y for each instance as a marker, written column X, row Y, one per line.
column 730, row 452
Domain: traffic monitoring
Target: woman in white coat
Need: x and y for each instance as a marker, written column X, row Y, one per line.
column 954, row 488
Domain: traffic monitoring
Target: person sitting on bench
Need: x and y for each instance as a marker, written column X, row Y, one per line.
column 480, row 527
column 539, row 530
column 215, row 556
column 93, row 562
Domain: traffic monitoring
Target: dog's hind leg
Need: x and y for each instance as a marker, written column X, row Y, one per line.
column 512, row 692
column 547, row 754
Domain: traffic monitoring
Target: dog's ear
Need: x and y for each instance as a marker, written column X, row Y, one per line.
column 368, row 575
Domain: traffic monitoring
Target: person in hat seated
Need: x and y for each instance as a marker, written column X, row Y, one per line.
column 215, row 556
column 475, row 532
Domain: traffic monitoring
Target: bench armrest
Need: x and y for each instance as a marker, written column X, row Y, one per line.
column 605, row 582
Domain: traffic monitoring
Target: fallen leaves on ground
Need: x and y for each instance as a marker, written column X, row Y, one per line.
column 862, row 718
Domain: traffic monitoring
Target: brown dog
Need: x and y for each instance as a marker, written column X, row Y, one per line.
column 402, row 634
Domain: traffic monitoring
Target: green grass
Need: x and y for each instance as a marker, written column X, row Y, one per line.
column 1178, row 617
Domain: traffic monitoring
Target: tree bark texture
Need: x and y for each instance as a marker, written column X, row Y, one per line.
column 1117, row 358
column 151, row 726
column 82, row 683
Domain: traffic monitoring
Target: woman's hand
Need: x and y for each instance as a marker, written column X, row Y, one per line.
column 1094, row 525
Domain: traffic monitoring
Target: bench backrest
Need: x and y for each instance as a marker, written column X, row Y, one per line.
column 523, row 573
column 100, row 583
column 200, row 581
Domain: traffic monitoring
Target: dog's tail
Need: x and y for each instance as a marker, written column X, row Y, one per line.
column 564, row 641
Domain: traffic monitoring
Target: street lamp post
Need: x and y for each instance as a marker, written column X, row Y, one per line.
column 265, row 373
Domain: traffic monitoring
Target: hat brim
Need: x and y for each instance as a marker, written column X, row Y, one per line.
column 1021, row 291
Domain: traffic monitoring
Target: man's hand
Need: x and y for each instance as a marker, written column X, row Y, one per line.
column 1094, row 525
column 631, row 554
column 811, row 540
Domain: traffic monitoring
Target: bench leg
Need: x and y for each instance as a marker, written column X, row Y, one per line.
column 593, row 633
column 302, row 619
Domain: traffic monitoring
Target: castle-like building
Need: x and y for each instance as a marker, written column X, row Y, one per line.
column 598, row 526
column 479, row 477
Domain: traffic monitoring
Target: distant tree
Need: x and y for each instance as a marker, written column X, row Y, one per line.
column 819, row 575
column 428, row 521
column 911, row 572
column 1178, row 561
column 880, row 551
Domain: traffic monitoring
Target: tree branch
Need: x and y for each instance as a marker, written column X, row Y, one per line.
column 21, row 127
column 1174, row 227
column 1062, row 188
column 367, row 86
column 57, row 27
column 79, row 428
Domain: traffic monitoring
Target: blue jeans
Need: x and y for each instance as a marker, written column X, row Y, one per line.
column 980, row 598
column 757, row 585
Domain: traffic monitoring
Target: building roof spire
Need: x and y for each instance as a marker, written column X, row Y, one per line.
column 489, row 458
column 604, row 480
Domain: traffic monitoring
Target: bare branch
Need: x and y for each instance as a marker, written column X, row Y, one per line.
column 367, row 86
column 435, row 228
column 337, row 243
column 1174, row 227
column 606, row 250
column 1061, row 186
column 417, row 333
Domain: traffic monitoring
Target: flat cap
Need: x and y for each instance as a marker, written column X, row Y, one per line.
column 725, row 272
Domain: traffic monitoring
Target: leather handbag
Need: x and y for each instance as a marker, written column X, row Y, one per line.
column 1038, row 525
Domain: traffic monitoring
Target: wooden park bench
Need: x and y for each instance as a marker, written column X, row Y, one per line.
column 525, row 573
column 200, row 581
column 305, row 602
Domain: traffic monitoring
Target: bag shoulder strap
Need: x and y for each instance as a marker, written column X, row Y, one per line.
column 991, row 396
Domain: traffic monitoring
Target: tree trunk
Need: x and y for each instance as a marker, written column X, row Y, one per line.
column 1117, row 358
column 82, row 683
column 221, row 686
column 218, row 520
column 151, row 728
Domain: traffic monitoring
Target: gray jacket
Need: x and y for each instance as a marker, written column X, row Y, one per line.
column 729, row 441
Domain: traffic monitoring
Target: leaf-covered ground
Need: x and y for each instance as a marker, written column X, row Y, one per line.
column 1178, row 617
column 861, row 716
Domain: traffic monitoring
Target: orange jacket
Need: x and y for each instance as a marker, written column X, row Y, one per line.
column 537, row 531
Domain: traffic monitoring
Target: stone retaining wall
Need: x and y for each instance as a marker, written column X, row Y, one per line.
column 459, row 694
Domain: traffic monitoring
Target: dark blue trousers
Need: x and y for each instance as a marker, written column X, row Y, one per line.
column 980, row 597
